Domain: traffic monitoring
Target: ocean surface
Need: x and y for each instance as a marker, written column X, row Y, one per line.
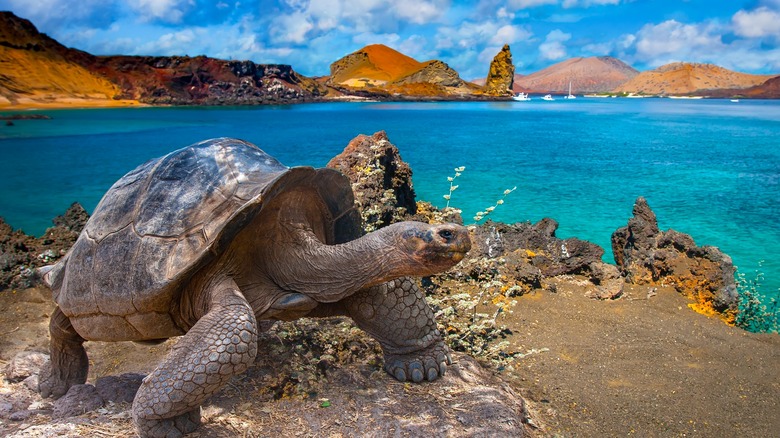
column 708, row 168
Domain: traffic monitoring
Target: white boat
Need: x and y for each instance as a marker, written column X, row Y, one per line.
column 570, row 96
column 521, row 97
column 547, row 97
column 735, row 100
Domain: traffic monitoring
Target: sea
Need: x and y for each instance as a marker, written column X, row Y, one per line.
column 709, row 168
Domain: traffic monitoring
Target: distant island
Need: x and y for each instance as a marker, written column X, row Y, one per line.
column 40, row 72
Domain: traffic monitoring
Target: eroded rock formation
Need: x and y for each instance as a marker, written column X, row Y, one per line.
column 529, row 252
column 434, row 72
column 647, row 255
column 381, row 180
column 501, row 75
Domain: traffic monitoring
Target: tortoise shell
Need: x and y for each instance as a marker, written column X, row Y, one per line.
column 170, row 217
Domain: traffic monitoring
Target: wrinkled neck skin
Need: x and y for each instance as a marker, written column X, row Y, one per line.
column 301, row 262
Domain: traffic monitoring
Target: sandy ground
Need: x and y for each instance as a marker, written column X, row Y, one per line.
column 644, row 365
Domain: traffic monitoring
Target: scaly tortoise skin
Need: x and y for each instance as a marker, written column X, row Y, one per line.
column 208, row 240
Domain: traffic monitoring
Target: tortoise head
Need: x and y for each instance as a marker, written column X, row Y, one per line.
column 430, row 248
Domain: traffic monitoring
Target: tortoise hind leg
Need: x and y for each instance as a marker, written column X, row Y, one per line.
column 395, row 314
column 220, row 345
column 68, row 364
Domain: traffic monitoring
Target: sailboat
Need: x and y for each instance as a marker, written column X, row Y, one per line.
column 570, row 96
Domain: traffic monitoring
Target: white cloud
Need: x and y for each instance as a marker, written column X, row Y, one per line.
column 524, row 4
column 509, row 34
column 588, row 3
column 418, row 12
column 174, row 43
column 757, row 23
column 671, row 41
column 674, row 38
column 170, row 11
column 291, row 28
column 552, row 48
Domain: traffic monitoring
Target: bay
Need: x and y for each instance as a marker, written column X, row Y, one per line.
column 708, row 168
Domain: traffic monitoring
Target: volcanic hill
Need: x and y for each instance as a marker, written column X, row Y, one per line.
column 685, row 78
column 380, row 68
column 587, row 75
column 37, row 69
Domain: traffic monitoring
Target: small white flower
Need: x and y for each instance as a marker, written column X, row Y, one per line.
column 500, row 201
column 447, row 197
column 460, row 169
column 489, row 209
column 450, row 179
column 452, row 189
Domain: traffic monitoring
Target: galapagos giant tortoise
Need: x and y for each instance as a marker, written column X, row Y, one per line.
column 206, row 241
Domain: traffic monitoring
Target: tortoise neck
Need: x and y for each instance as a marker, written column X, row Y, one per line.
column 331, row 272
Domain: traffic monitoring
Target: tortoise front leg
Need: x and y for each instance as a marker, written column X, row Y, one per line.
column 68, row 363
column 396, row 314
column 221, row 344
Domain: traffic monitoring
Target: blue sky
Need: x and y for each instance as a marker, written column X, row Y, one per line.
column 310, row 34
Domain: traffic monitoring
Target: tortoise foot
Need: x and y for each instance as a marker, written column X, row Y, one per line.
column 428, row 364
column 55, row 381
column 174, row 427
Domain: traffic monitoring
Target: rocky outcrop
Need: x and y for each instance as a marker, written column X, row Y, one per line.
column 647, row 255
column 20, row 254
column 434, row 72
column 525, row 248
column 500, row 78
column 182, row 80
column 381, row 180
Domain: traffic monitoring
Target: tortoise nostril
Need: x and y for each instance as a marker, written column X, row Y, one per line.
column 446, row 235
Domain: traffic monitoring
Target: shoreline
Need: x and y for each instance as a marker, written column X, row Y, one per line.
column 73, row 103
column 28, row 104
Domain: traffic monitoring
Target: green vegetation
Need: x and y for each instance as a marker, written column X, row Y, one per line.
column 757, row 312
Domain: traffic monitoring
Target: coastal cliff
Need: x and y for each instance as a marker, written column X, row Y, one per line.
column 41, row 71
column 38, row 69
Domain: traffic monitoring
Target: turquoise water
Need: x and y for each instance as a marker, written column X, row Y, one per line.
column 708, row 168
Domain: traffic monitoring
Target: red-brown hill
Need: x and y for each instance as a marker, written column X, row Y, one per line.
column 587, row 75
column 685, row 78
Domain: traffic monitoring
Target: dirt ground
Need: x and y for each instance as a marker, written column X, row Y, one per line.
column 643, row 365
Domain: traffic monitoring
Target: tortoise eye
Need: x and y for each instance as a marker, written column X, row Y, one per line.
column 446, row 235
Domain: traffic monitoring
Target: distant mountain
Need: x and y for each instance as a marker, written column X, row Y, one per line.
column 684, row 78
column 587, row 75
column 38, row 70
column 379, row 68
